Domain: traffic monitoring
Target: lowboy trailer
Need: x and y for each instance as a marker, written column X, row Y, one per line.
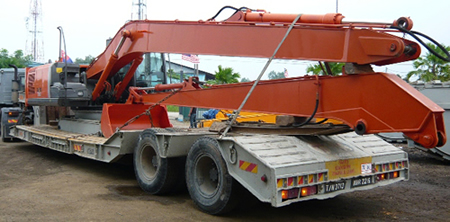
column 106, row 112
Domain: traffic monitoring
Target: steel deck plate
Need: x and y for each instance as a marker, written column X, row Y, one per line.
column 53, row 131
column 280, row 151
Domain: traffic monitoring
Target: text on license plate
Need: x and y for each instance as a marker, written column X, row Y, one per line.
column 361, row 181
column 331, row 187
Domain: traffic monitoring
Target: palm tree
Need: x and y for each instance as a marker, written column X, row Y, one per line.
column 429, row 67
column 225, row 76
column 336, row 68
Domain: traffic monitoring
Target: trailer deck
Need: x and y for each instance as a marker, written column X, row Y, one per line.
column 276, row 169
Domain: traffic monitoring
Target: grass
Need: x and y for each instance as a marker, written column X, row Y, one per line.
column 171, row 108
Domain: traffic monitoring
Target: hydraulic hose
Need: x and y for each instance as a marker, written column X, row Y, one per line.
column 415, row 35
column 310, row 117
column 227, row 7
column 315, row 108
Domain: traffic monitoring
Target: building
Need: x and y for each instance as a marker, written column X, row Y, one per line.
column 186, row 72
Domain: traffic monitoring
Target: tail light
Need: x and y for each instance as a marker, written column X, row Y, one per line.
column 307, row 191
column 289, row 194
column 13, row 113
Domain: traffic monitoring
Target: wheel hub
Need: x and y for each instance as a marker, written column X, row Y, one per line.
column 207, row 176
column 213, row 174
column 149, row 162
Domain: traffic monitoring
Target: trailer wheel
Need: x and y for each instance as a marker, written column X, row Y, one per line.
column 155, row 175
column 210, row 185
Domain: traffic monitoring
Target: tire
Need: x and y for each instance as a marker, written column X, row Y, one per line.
column 3, row 135
column 210, row 185
column 155, row 175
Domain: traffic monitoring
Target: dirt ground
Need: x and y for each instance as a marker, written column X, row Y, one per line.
column 38, row 184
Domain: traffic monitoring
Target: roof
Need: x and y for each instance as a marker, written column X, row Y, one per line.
column 189, row 70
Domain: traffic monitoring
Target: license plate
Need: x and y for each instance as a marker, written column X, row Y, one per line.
column 362, row 181
column 331, row 187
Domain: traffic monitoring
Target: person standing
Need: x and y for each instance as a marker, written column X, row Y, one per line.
column 193, row 117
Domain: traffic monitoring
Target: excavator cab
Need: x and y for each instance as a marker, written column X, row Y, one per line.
column 146, row 71
column 151, row 71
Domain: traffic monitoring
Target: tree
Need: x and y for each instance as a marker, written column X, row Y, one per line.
column 225, row 76
column 336, row 68
column 173, row 75
column 276, row 75
column 429, row 67
column 245, row 79
column 18, row 59
column 87, row 60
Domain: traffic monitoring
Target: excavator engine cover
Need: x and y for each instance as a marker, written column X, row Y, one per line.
column 47, row 86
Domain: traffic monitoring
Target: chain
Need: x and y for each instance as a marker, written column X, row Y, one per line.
column 147, row 112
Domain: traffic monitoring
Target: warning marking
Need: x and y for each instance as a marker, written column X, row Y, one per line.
column 12, row 121
column 280, row 183
column 291, row 181
column 78, row 148
column 247, row 166
column 300, row 180
column 320, row 177
column 311, row 178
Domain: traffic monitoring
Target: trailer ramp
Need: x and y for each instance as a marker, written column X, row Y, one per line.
column 286, row 169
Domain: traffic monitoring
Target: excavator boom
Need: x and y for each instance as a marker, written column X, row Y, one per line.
column 307, row 41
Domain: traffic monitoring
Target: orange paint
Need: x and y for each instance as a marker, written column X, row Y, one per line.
column 324, row 39
column 116, row 115
column 351, row 99
column 37, row 82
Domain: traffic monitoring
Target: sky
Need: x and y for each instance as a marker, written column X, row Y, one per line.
column 88, row 23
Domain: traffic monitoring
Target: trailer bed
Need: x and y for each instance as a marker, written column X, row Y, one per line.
column 276, row 169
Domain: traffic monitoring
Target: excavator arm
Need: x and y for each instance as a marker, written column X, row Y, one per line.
column 368, row 103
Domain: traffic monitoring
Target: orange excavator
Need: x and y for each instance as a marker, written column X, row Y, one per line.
column 117, row 110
